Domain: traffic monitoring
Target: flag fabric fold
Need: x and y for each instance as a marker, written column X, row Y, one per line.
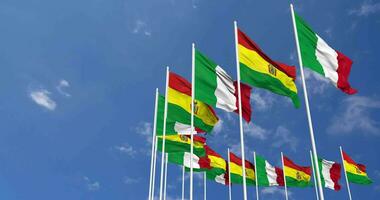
column 236, row 170
column 295, row 175
column 218, row 171
column 268, row 175
column 182, row 143
column 330, row 174
column 356, row 173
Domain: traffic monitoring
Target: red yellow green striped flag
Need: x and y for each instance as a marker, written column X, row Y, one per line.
column 258, row 70
column 295, row 175
column 218, row 171
column 236, row 170
column 356, row 173
column 182, row 143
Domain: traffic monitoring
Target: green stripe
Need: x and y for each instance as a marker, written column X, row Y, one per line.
column 308, row 44
column 257, row 79
column 362, row 180
column 237, row 179
column 205, row 79
column 177, row 147
column 262, row 176
column 291, row 182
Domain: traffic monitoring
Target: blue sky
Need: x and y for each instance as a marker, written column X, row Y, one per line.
column 78, row 78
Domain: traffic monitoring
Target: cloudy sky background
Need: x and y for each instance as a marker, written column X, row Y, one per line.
column 77, row 89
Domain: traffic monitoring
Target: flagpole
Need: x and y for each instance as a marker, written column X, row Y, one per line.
column 315, row 156
column 257, row 184
column 192, row 118
column 166, row 174
column 204, row 186
column 183, row 182
column 164, row 132
column 283, row 170
column 154, row 167
column 315, row 180
column 153, row 146
column 240, row 112
column 229, row 176
column 345, row 173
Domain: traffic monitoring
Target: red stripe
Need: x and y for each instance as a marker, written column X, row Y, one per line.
column 344, row 68
column 291, row 164
column 204, row 163
column 335, row 175
column 245, row 41
column 211, row 152
column 196, row 138
column 351, row 161
column 238, row 161
column 245, row 100
column 280, row 176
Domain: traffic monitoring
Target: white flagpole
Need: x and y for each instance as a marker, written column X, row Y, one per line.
column 183, row 182
column 345, row 174
column 153, row 147
column 229, row 176
column 204, row 186
column 314, row 148
column 240, row 112
column 192, row 117
column 283, row 169
column 166, row 174
column 164, row 133
column 154, row 167
column 257, row 183
column 315, row 179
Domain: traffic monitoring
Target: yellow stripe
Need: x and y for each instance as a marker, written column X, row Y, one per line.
column 182, row 139
column 202, row 111
column 298, row 175
column 257, row 63
column 238, row 170
column 217, row 162
column 353, row 169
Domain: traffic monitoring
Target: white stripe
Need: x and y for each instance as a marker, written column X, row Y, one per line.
column 225, row 90
column 186, row 160
column 271, row 174
column 220, row 179
column 326, row 166
column 328, row 58
column 183, row 129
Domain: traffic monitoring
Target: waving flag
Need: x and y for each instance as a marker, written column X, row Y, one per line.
column 356, row 173
column 237, row 170
column 267, row 175
column 330, row 174
column 218, row 171
column 183, row 158
column 296, row 176
column 182, row 143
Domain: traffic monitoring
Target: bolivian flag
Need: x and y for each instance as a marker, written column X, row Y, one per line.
column 296, row 176
column 236, row 170
column 356, row 173
column 258, row 70
column 179, row 100
column 182, row 143
column 218, row 171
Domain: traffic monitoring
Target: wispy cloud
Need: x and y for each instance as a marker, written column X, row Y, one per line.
column 261, row 100
column 355, row 114
column 316, row 83
column 283, row 137
column 274, row 190
column 126, row 149
column 255, row 131
column 365, row 9
column 130, row 180
column 61, row 86
column 145, row 129
column 218, row 127
column 140, row 27
column 91, row 185
column 41, row 97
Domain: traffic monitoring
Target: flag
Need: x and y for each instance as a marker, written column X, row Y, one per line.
column 295, row 175
column 183, row 158
column 218, row 171
column 182, row 143
column 356, row 173
column 236, row 170
column 258, row 70
column 267, row 175
column 318, row 56
column 179, row 100
column 215, row 87
column 330, row 174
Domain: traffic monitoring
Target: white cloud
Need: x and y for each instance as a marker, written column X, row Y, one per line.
column 365, row 9
column 255, row 131
column 130, row 180
column 274, row 190
column 91, row 185
column 262, row 101
column 60, row 87
column 283, row 137
column 316, row 83
column 126, row 149
column 41, row 97
column 218, row 127
column 146, row 130
column 141, row 27
column 356, row 115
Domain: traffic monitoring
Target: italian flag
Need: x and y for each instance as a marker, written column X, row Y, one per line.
column 296, row 176
column 330, row 174
column 356, row 173
column 236, row 170
column 268, row 175
column 182, row 143
column 321, row 58
column 215, row 87
column 218, row 171
column 183, row 159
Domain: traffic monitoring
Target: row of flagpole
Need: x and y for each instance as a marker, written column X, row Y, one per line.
column 314, row 155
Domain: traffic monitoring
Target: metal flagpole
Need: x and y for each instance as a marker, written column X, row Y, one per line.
column 314, row 148
column 183, row 182
column 204, row 186
column 166, row 174
column 257, row 183
column 164, row 132
column 229, row 176
column 153, row 146
column 240, row 111
column 315, row 179
column 154, row 167
column 345, row 173
column 283, row 169
column 192, row 118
